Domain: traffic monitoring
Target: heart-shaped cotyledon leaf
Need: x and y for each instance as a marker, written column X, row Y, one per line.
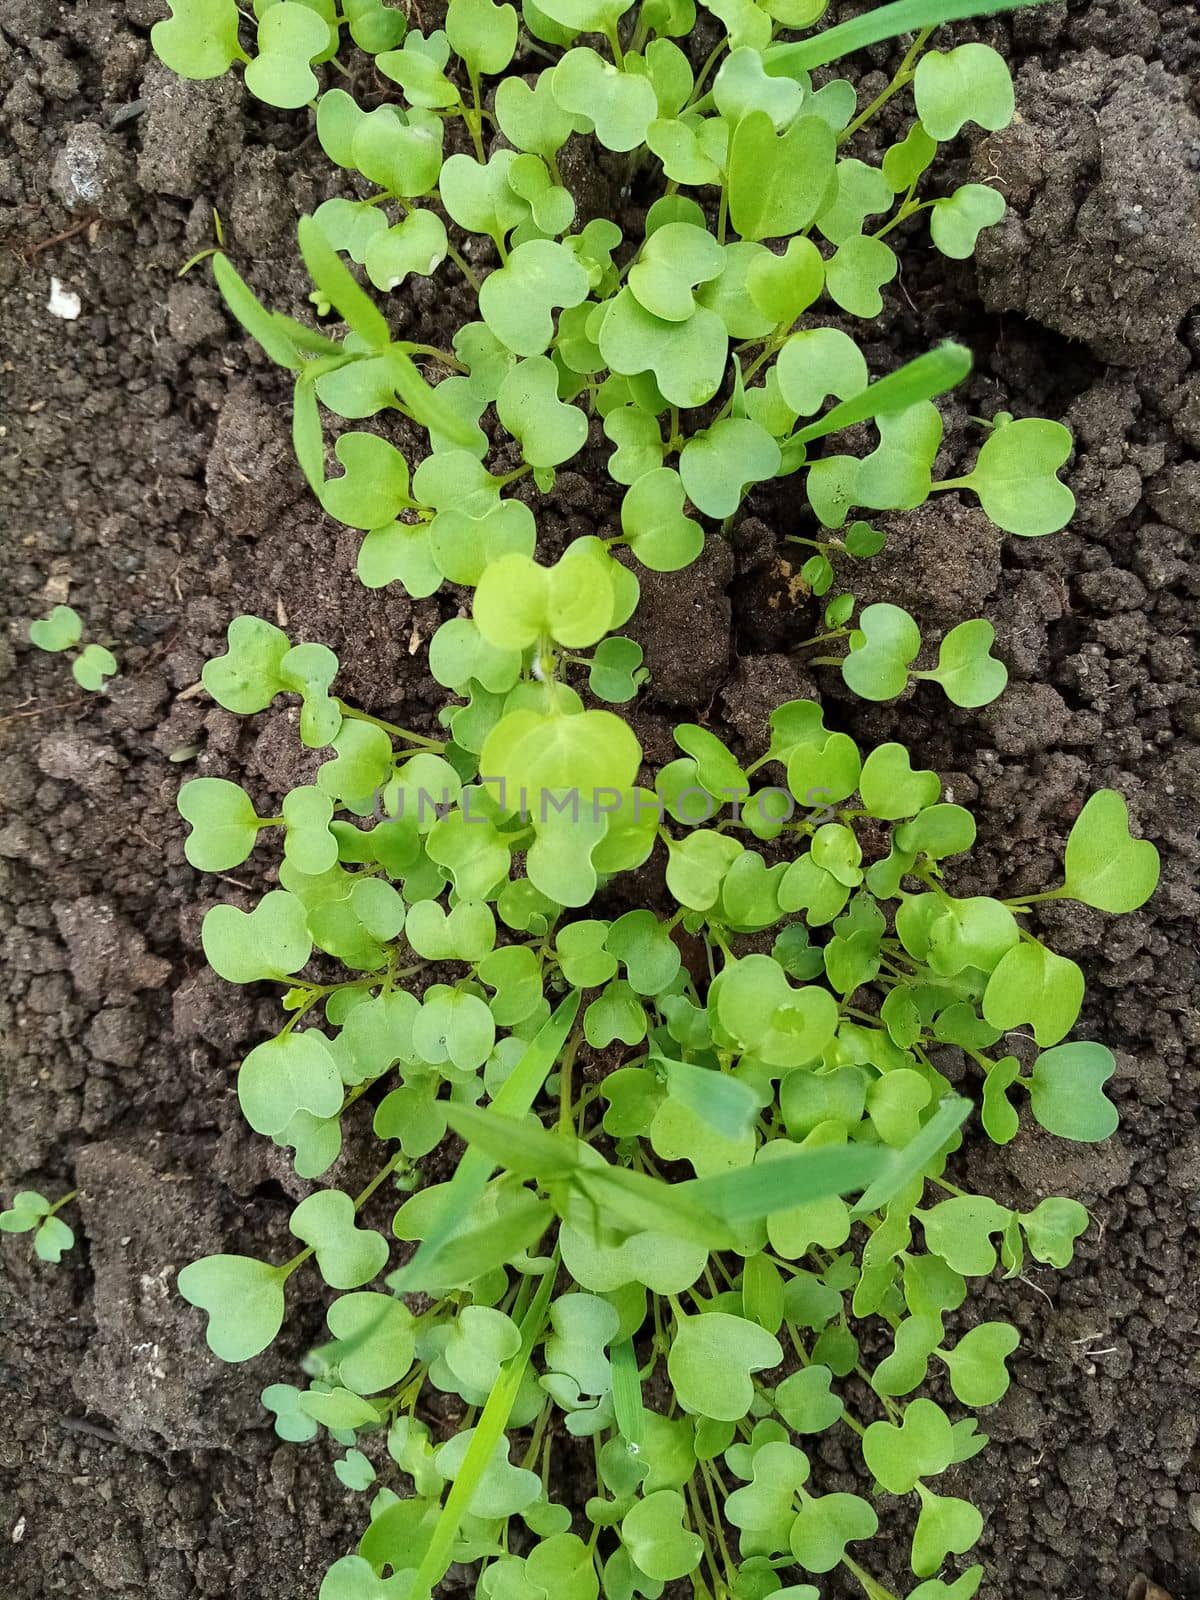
column 290, row 37
column 1015, row 477
column 653, row 1533
column 1105, row 866
column 619, row 105
column 272, row 941
column 778, row 184
column 673, row 260
column 1066, row 1091
column 62, row 629
column 294, row 1072
column 347, row 1255
column 891, row 788
column 717, row 465
column 549, row 430
column 638, row 438
column 199, row 39
column 518, row 300
column 687, row 358
column 373, row 488
column 653, row 521
column 921, row 1446
column 882, row 649
column 1034, row 985
column 967, row 671
column 519, row 602
column 711, row 1361
column 244, row 1301
column 93, row 664
column 947, row 1525
column 969, row 84
column 826, row 1524
column 978, row 1375
column 957, row 220
column 857, row 271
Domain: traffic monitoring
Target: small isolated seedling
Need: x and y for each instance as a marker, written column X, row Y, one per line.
column 63, row 630
column 31, row 1212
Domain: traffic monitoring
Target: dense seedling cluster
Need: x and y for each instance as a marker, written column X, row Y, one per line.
column 702, row 1216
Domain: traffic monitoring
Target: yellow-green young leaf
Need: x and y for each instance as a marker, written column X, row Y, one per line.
column 969, row 84
column 778, row 184
column 711, row 1360
column 538, row 753
column 1066, row 1091
column 59, row 631
column 375, row 1340
column 290, row 38
column 1033, row 985
column 199, row 39
column 946, row 1526
column 1015, row 477
column 518, row 602
column 243, row 1299
column 272, row 941
column 346, row 1254
column 1105, row 867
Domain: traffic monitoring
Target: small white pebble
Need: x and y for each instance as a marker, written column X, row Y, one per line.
column 18, row 1532
column 63, row 303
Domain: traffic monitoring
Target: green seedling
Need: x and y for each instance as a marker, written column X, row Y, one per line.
column 686, row 1259
column 795, row 1092
column 62, row 630
column 31, row 1212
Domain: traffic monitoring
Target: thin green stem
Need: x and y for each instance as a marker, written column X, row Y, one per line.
column 390, row 727
column 904, row 76
column 463, row 266
column 1036, row 899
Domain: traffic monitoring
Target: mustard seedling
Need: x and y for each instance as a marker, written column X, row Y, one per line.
column 704, row 1213
column 61, row 631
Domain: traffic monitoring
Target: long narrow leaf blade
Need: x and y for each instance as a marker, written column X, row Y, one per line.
column 627, row 1392
column 489, row 1430
column 641, row 1204
column 750, row 1193
column 885, row 22
column 424, row 402
column 339, row 286
column 516, row 1144
column 516, row 1096
column 307, row 439
column 469, row 1255
column 249, row 310
column 924, row 378
column 904, row 1165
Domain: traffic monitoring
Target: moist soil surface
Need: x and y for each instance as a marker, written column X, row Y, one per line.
column 146, row 477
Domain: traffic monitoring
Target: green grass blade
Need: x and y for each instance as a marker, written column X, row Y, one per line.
column 423, row 401
column 489, row 1430
column 922, row 379
column 516, row 1096
column 916, row 1156
column 339, row 286
column 627, row 1392
column 885, row 22
column 748, row 1194
column 249, row 310
column 307, row 439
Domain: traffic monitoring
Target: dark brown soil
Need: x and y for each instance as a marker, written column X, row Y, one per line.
column 146, row 476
